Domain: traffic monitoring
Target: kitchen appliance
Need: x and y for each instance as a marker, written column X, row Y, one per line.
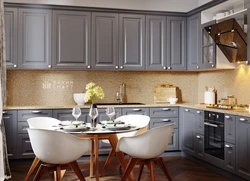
column 214, row 134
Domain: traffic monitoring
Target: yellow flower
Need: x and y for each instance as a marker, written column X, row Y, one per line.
column 93, row 92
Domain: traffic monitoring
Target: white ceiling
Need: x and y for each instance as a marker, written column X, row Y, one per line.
column 154, row 5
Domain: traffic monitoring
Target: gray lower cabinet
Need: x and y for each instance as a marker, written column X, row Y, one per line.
column 135, row 110
column 34, row 38
column 192, row 131
column 156, row 45
column 66, row 115
column 242, row 147
column 163, row 115
column 230, row 140
column 132, row 41
column 71, row 39
column 104, row 33
column 24, row 149
column 10, row 123
column 176, row 43
column 10, row 20
column 194, row 42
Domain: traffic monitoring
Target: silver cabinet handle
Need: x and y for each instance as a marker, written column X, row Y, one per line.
column 121, row 67
column 49, row 66
column 136, row 109
column 164, row 68
column 198, row 112
column 166, row 120
column 35, row 112
column 199, row 137
column 27, row 141
column 6, row 117
column 186, row 110
column 88, row 66
column 15, row 65
column 5, row 112
column 242, row 119
column 228, row 146
column 227, row 117
column 169, row 68
column 197, row 67
column 116, row 67
column 166, row 109
column 213, row 125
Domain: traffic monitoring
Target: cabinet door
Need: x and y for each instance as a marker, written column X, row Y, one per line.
column 199, row 146
column 66, row 114
column 34, row 38
column 176, row 43
column 10, row 20
column 188, row 134
column 143, row 111
column 156, row 42
column 242, row 147
column 24, row 147
column 104, row 41
column 194, row 42
column 71, row 39
column 155, row 122
column 132, row 41
column 164, row 112
column 229, row 157
column 230, row 128
column 200, row 121
column 10, row 123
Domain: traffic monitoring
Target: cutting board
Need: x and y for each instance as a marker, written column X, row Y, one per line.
column 164, row 91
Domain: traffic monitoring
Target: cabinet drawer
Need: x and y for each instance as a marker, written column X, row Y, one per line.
column 155, row 122
column 230, row 128
column 24, row 149
column 135, row 110
column 22, row 127
column 164, row 112
column 23, row 115
column 174, row 141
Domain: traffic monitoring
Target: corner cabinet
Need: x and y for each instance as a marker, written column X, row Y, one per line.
column 71, row 39
column 132, row 41
column 104, row 50
column 10, row 20
column 176, row 43
column 34, row 38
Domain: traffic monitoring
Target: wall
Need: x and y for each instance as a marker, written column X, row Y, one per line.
column 227, row 82
column 55, row 88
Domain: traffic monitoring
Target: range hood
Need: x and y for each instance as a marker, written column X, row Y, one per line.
column 230, row 38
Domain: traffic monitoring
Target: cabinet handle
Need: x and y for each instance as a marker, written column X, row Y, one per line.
column 136, row 109
column 242, row 119
column 227, row 117
column 15, row 65
column 164, row 68
column 121, row 67
column 197, row 67
column 27, row 141
column 199, row 137
column 212, row 65
column 186, row 110
column 166, row 109
column 198, row 112
column 49, row 66
column 169, row 68
column 88, row 66
column 116, row 67
column 6, row 117
column 228, row 146
column 35, row 112
column 166, row 120
column 5, row 112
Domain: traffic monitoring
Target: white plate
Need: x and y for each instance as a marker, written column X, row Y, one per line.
column 67, row 123
column 117, row 127
column 74, row 129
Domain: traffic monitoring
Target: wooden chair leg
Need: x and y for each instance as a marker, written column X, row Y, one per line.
column 108, row 161
column 140, row 172
column 75, row 167
column 164, row 168
column 32, row 167
column 41, row 170
column 152, row 170
column 58, row 173
column 131, row 164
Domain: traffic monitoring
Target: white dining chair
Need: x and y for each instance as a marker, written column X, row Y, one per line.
column 40, row 123
column 58, row 150
column 141, row 121
column 145, row 149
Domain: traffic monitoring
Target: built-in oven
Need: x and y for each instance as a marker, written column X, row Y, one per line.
column 214, row 134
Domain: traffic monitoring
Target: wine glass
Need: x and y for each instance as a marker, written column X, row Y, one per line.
column 76, row 112
column 110, row 111
column 93, row 113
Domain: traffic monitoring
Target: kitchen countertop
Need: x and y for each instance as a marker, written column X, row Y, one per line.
column 239, row 112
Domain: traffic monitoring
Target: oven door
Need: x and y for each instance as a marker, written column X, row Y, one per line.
column 214, row 139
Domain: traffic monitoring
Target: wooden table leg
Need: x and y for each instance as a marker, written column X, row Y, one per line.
column 96, row 158
column 91, row 164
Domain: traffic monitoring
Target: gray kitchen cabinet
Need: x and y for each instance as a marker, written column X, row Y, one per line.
column 10, row 123
column 242, row 147
column 71, row 39
column 24, row 149
column 34, row 38
column 194, row 42
column 176, row 43
column 165, row 115
column 66, row 115
column 230, row 128
column 104, row 33
column 132, row 41
column 156, row 34
column 135, row 110
column 192, row 131
column 10, row 20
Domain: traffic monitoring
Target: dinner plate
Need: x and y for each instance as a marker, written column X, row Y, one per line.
column 67, row 123
column 74, row 129
column 117, row 127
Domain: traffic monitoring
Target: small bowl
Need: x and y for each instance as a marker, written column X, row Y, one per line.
column 79, row 98
column 173, row 100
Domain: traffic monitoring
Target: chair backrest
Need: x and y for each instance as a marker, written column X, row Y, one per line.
column 134, row 119
column 42, row 122
column 56, row 147
column 147, row 145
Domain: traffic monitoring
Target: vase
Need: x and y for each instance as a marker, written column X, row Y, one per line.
column 93, row 113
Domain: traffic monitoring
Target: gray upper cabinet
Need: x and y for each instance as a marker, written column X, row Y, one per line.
column 71, row 39
column 194, row 42
column 10, row 19
column 132, row 41
column 34, row 38
column 176, row 43
column 156, row 42
column 104, row 51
